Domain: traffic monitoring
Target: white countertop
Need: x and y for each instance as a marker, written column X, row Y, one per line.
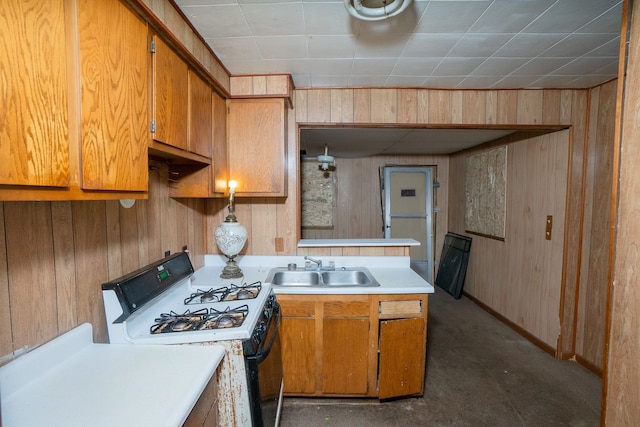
column 392, row 272
column 70, row 381
column 319, row 243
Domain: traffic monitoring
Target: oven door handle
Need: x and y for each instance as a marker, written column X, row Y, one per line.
column 264, row 351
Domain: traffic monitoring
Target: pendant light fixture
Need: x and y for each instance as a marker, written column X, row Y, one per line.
column 325, row 159
column 375, row 10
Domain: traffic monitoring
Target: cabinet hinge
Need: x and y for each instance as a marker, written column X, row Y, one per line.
column 153, row 126
column 152, row 46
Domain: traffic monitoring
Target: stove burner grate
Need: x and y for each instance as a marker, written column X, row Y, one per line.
column 203, row 297
column 200, row 320
column 243, row 292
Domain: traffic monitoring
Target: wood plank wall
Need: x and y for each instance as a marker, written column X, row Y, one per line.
column 54, row 256
column 521, row 277
column 590, row 315
column 268, row 219
column 622, row 379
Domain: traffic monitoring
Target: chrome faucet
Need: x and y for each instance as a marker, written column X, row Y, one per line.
column 317, row 261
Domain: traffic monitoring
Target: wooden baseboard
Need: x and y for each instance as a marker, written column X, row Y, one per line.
column 544, row 346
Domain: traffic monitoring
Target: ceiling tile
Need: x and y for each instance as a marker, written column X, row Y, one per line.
column 365, row 67
column 479, row 44
column 576, row 45
column 508, row 16
column 236, row 48
column 328, row 19
column 415, row 66
column 568, row 16
column 457, row 66
column 218, row 21
column 283, row 47
column 498, row 66
column 276, row 19
column 528, row 45
column 540, row 66
column 332, row 46
column 450, row 17
column 430, row 45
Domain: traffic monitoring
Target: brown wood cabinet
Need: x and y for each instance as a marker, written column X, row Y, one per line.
column 170, row 99
column 354, row 345
column 205, row 411
column 256, row 149
column 75, row 115
column 200, row 116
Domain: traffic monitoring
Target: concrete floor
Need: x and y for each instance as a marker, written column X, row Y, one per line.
column 479, row 373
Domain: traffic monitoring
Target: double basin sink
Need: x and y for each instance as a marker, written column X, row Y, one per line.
column 342, row 277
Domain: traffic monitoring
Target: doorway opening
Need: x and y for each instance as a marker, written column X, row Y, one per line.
column 408, row 213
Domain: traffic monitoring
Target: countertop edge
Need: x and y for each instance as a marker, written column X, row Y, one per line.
column 319, row 243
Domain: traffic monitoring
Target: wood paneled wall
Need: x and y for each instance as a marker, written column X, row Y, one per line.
column 521, row 277
column 622, row 379
column 591, row 310
column 268, row 218
column 54, row 257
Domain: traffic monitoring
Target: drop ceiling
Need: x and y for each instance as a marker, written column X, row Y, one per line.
column 450, row 44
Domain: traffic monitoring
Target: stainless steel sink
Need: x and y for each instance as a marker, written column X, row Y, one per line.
column 343, row 277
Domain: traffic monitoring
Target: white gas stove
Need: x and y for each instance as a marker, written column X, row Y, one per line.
column 161, row 304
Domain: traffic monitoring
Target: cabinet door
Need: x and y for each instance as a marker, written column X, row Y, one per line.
column 219, row 160
column 170, row 100
column 200, row 116
column 402, row 357
column 34, row 126
column 298, row 340
column 256, row 132
column 345, row 355
column 114, row 110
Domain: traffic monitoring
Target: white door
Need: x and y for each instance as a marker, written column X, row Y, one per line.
column 408, row 193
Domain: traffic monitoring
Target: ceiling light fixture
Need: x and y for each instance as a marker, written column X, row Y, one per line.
column 375, row 10
column 325, row 159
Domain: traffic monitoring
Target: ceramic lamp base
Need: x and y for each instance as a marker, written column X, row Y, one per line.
column 231, row 271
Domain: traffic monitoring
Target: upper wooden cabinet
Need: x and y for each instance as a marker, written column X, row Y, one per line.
column 34, row 126
column 200, row 135
column 114, row 89
column 74, row 101
column 256, row 148
column 170, row 100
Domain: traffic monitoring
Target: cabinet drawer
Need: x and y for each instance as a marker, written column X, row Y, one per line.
column 297, row 308
column 394, row 308
column 346, row 308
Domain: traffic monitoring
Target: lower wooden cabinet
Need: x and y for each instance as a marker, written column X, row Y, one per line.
column 205, row 411
column 354, row 345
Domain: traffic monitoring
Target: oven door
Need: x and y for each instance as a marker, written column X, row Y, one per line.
column 264, row 372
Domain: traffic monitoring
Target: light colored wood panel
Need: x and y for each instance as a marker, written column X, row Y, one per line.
column 263, row 226
column 34, row 102
column 6, row 344
column 278, row 84
column 65, row 269
column 318, row 106
column 342, row 105
column 89, row 222
column 530, row 104
column 362, row 106
column 242, row 85
column 407, row 106
column 507, row 107
column 474, row 106
column 302, row 107
column 259, row 85
column 491, row 107
column 440, row 106
column 144, row 257
column 31, row 271
column 384, row 105
column 457, row 107
column 422, row 115
column 551, row 106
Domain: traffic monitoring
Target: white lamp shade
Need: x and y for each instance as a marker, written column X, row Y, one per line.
column 230, row 238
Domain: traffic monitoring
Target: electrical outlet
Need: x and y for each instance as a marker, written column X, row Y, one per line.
column 279, row 244
column 549, row 227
